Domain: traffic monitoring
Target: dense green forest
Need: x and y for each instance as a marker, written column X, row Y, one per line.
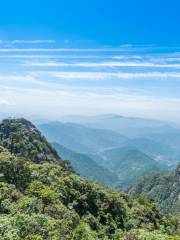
column 22, row 138
column 163, row 188
column 41, row 197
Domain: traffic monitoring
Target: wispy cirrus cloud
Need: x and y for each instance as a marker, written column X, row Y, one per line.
column 121, row 48
column 40, row 41
column 24, row 81
column 105, row 75
column 56, row 56
column 102, row 64
column 35, row 41
column 68, row 49
column 119, row 79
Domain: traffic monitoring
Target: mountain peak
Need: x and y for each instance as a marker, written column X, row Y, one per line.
column 22, row 138
column 18, row 120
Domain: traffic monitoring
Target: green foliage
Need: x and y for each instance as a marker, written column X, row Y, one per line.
column 14, row 170
column 83, row 231
column 164, row 189
column 46, row 201
column 129, row 164
column 146, row 235
column 22, row 138
column 57, row 204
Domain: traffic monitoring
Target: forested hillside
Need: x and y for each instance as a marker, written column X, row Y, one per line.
column 22, row 138
column 86, row 166
column 46, row 200
column 163, row 188
column 130, row 164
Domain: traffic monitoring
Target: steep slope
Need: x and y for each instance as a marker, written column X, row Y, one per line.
column 86, row 166
column 80, row 138
column 44, row 201
column 164, row 189
column 22, row 138
column 129, row 164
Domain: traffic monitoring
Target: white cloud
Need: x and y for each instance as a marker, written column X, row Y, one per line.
column 71, row 75
column 41, row 41
column 41, row 56
column 102, row 64
column 26, row 81
column 6, row 102
column 64, row 50
column 106, row 75
column 49, row 92
column 36, row 41
column 127, row 57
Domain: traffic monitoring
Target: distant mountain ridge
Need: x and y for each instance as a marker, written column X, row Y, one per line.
column 80, row 138
column 127, row 126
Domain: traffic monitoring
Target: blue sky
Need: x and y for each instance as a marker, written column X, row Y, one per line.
column 103, row 21
column 90, row 57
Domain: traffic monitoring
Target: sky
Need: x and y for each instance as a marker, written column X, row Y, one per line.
column 90, row 57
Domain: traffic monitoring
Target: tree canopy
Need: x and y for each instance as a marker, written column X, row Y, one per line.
column 46, row 200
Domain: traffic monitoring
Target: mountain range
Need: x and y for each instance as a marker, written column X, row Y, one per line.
column 81, row 138
column 86, row 166
column 131, row 127
column 120, row 158
column 42, row 198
